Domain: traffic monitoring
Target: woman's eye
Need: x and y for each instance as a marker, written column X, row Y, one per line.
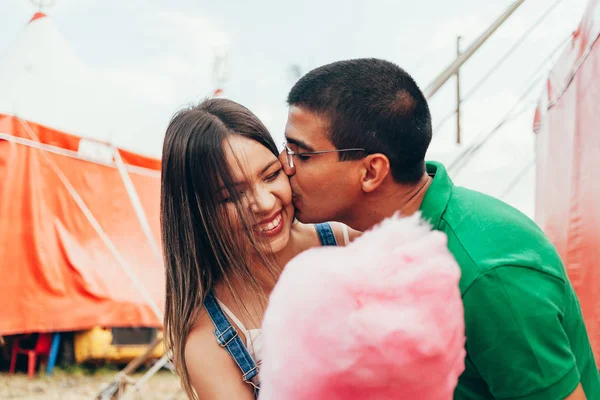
column 301, row 157
column 227, row 199
column 273, row 176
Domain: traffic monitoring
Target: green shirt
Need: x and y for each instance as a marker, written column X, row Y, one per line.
column 526, row 338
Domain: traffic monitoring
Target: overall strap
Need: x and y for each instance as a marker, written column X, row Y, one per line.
column 326, row 235
column 227, row 337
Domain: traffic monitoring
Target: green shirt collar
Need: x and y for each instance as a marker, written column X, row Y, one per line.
column 436, row 199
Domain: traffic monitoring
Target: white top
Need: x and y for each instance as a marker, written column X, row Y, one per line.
column 252, row 336
column 346, row 235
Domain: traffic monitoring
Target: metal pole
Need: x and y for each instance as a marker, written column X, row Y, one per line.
column 111, row 391
column 136, row 204
column 458, row 100
column 453, row 67
column 149, row 374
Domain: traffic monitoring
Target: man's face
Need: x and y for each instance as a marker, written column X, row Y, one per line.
column 324, row 188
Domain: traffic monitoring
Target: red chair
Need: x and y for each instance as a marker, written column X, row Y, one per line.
column 40, row 349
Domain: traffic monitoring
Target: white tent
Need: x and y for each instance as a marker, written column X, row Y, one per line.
column 42, row 80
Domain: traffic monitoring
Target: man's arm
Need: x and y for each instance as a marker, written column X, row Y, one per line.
column 515, row 335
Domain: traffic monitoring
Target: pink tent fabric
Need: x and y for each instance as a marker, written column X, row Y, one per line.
column 568, row 158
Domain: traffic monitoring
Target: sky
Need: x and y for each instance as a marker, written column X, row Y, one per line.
column 161, row 56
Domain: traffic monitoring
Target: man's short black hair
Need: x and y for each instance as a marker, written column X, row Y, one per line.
column 371, row 104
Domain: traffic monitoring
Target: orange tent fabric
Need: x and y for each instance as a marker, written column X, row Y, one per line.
column 568, row 158
column 57, row 273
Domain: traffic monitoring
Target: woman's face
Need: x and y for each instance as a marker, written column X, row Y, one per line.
column 259, row 177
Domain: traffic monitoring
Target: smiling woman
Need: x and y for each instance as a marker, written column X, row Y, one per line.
column 228, row 228
column 263, row 188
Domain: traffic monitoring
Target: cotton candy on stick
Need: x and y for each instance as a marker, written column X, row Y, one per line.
column 379, row 319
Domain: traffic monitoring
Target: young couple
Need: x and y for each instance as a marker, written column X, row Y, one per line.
column 234, row 211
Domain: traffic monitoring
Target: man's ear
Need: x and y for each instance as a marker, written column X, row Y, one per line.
column 375, row 168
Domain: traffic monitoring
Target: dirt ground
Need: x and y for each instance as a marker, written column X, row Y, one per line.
column 78, row 384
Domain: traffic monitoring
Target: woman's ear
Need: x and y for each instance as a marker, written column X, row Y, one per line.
column 375, row 168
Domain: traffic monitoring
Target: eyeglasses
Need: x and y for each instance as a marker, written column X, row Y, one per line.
column 291, row 153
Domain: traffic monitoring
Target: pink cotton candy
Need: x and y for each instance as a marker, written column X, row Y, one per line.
column 379, row 319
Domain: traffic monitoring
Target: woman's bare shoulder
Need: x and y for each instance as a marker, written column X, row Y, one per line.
column 212, row 372
column 306, row 235
column 200, row 335
column 310, row 237
column 338, row 231
column 201, row 346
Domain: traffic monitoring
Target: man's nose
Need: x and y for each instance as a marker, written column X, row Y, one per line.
column 283, row 158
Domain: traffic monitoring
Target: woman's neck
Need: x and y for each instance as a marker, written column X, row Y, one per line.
column 251, row 308
column 293, row 247
column 267, row 277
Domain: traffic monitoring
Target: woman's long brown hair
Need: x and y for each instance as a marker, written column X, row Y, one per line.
column 202, row 249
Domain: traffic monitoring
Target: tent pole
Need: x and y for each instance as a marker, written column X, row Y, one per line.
column 137, row 204
column 113, row 389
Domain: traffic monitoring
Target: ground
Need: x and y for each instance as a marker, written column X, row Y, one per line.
column 76, row 384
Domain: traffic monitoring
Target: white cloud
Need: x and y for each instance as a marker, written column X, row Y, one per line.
column 153, row 87
column 188, row 31
column 183, row 69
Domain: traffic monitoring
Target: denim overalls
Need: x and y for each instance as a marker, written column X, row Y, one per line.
column 227, row 335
